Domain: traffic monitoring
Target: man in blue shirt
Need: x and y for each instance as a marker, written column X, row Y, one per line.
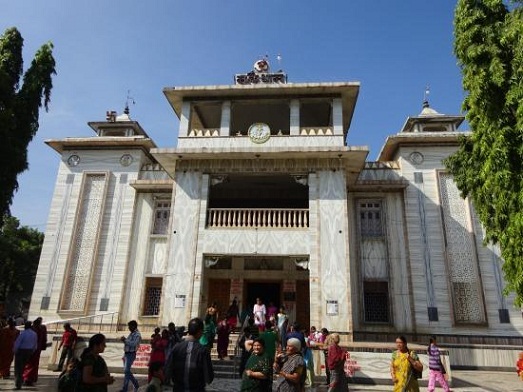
column 131, row 344
column 25, row 346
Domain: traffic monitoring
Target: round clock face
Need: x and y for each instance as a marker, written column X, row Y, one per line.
column 259, row 133
column 126, row 159
column 73, row 160
column 416, row 158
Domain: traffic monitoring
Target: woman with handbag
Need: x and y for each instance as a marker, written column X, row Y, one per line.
column 335, row 361
column 436, row 369
column 405, row 367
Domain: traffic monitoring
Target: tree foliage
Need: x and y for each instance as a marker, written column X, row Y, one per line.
column 19, row 108
column 488, row 166
column 20, row 248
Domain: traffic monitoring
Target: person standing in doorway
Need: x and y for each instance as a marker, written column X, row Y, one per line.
column 67, row 344
column 191, row 366
column 25, row 345
column 259, row 312
column 131, row 344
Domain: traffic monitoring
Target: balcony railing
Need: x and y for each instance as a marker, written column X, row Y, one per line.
column 295, row 218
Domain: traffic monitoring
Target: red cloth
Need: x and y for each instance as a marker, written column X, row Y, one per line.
column 7, row 340
column 69, row 338
column 223, row 332
column 158, row 347
column 335, row 355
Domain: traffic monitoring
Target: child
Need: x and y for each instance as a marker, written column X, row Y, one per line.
column 69, row 377
column 519, row 366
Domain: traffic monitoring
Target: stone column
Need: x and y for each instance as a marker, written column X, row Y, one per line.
column 337, row 116
column 295, row 117
column 183, row 277
column 225, row 123
column 333, row 252
column 185, row 119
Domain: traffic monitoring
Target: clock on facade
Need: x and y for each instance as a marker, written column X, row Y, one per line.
column 259, row 133
column 73, row 160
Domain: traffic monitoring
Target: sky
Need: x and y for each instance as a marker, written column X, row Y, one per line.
column 103, row 49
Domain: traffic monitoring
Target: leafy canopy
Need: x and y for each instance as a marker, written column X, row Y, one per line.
column 488, row 166
column 20, row 248
column 19, row 108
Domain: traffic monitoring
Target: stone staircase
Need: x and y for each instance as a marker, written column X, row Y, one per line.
column 227, row 367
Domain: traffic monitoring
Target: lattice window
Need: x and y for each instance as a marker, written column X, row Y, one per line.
column 376, row 302
column 162, row 212
column 153, row 296
column 84, row 245
column 461, row 255
column 371, row 224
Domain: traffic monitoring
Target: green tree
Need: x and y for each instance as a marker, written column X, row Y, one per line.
column 20, row 248
column 19, row 108
column 488, row 166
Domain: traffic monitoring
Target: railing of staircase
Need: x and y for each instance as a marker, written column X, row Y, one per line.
column 102, row 322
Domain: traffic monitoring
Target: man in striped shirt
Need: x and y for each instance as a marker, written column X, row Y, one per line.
column 131, row 344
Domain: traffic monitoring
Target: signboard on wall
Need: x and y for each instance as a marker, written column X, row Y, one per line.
column 332, row 307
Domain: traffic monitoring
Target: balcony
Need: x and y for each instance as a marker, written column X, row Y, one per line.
column 273, row 218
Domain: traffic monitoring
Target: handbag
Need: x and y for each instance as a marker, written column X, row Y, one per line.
column 417, row 374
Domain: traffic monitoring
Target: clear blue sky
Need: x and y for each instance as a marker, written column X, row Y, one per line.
column 105, row 48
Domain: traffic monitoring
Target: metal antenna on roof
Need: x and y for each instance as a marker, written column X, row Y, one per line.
column 278, row 58
column 426, row 97
column 128, row 100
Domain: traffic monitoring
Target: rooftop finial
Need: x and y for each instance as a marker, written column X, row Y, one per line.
column 128, row 100
column 426, row 97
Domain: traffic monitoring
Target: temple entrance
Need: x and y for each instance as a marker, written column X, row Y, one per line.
column 267, row 291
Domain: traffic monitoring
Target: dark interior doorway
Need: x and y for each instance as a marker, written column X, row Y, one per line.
column 267, row 292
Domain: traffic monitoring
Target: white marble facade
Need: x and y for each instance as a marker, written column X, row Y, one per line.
column 388, row 247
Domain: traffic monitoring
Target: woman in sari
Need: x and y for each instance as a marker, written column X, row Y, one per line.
column 223, row 332
column 402, row 366
column 8, row 336
column 257, row 374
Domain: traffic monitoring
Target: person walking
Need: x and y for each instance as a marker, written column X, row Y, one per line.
column 30, row 375
column 335, row 361
column 131, row 344
column 25, row 345
column 8, row 336
column 402, row 366
column 191, row 366
column 68, row 343
column 95, row 376
column 437, row 371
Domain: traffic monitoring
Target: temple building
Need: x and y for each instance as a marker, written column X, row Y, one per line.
column 262, row 197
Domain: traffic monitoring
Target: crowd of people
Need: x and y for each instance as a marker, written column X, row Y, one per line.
column 274, row 354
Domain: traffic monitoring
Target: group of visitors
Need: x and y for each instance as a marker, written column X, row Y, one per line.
column 25, row 348
column 273, row 354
